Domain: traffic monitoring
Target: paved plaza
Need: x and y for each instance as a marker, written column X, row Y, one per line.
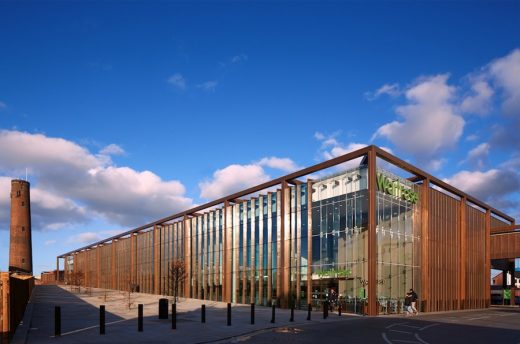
column 80, row 318
column 80, row 323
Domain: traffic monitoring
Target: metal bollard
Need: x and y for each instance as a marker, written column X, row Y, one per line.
column 325, row 310
column 203, row 314
column 174, row 316
column 339, row 310
column 163, row 308
column 252, row 314
column 57, row 321
column 102, row 319
column 140, row 317
column 309, row 309
column 229, row 314
column 272, row 314
column 292, row 314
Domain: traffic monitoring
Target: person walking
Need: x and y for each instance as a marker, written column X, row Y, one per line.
column 414, row 297
column 407, row 304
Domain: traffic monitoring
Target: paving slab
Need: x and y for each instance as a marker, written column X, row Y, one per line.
column 80, row 318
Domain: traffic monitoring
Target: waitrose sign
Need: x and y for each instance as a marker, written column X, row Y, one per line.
column 395, row 188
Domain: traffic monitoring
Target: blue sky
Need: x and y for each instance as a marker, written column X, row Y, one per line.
column 124, row 112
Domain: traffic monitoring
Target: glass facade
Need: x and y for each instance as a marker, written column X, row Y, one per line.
column 295, row 245
column 339, row 240
column 398, row 247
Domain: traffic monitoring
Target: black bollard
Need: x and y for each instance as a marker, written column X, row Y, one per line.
column 325, row 310
column 272, row 314
column 309, row 309
column 292, row 313
column 140, row 317
column 57, row 321
column 163, row 308
column 102, row 319
column 229, row 314
column 339, row 310
column 203, row 314
column 174, row 316
column 252, row 314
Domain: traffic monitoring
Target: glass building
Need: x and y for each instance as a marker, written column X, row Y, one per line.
column 360, row 237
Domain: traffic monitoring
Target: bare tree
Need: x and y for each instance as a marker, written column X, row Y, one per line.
column 177, row 275
column 76, row 279
column 131, row 287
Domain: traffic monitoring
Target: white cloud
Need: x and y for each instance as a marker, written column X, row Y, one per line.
column 328, row 140
column 472, row 137
column 178, row 81
column 392, row 90
column 239, row 58
column 283, row 164
column 231, row 179
column 208, row 86
column 237, row 177
column 430, row 124
column 319, row 136
column 479, row 102
column 505, row 72
column 73, row 185
column 492, row 186
column 49, row 242
column 477, row 157
column 112, row 149
column 84, row 238
column 331, row 148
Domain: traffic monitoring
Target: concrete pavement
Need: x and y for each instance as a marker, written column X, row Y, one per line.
column 80, row 318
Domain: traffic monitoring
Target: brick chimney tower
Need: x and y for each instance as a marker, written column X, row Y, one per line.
column 20, row 244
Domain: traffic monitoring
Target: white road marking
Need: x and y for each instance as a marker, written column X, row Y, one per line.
column 420, row 339
column 477, row 318
column 427, row 327
column 91, row 327
column 401, row 331
column 396, row 324
column 415, row 327
column 385, row 338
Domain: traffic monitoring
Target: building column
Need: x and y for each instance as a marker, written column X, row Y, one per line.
column 425, row 246
column 309, row 242
column 462, row 256
column 270, row 239
column 133, row 263
column 196, row 221
column 210, row 264
column 57, row 269
column 235, row 249
column 156, row 260
column 285, row 236
column 296, row 227
column 217, row 256
column 279, row 247
column 4, row 294
column 243, row 252
column 261, row 243
column 227, row 254
column 252, row 265
column 487, row 272
column 186, row 227
column 113, row 271
column 86, row 264
column 98, row 266
column 372, row 235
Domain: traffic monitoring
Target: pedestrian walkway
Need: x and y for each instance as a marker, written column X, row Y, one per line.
column 80, row 318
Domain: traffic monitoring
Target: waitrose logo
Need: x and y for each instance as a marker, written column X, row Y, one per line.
column 395, row 188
